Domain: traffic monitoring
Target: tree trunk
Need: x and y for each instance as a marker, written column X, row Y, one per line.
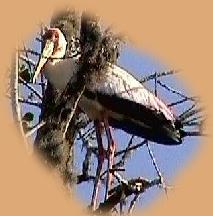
column 58, row 152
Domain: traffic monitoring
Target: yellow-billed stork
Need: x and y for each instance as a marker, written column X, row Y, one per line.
column 127, row 104
column 115, row 98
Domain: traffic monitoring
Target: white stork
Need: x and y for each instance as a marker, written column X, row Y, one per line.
column 116, row 98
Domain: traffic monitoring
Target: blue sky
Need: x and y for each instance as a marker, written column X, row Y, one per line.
column 171, row 159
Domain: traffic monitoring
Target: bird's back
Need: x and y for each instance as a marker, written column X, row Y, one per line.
column 119, row 83
column 132, row 107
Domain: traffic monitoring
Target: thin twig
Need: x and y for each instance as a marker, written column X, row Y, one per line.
column 73, row 109
column 26, row 53
column 174, row 91
column 15, row 95
column 82, row 178
column 125, row 151
column 35, row 128
column 181, row 116
column 29, row 102
column 42, row 75
column 131, row 148
column 120, row 178
column 30, row 88
column 86, row 167
column 125, row 155
column 160, row 74
column 156, row 167
column 27, row 60
column 177, row 102
column 124, row 190
column 90, row 132
column 38, row 39
column 132, row 204
column 31, row 51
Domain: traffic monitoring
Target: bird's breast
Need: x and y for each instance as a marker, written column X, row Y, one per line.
column 60, row 73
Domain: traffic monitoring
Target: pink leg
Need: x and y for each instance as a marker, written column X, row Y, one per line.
column 101, row 156
column 111, row 153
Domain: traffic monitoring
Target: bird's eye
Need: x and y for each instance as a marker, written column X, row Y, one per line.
column 56, row 35
column 47, row 35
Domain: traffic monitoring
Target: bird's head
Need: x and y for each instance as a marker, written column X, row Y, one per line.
column 54, row 48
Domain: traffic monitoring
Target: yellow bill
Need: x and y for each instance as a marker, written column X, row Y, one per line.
column 46, row 54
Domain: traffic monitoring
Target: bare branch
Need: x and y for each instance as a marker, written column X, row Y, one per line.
column 132, row 204
column 175, row 91
column 30, row 88
column 159, row 74
column 125, row 189
column 125, row 154
column 73, row 109
column 27, row 60
column 35, row 128
column 26, row 54
column 156, row 168
column 178, row 102
column 84, row 178
column 131, row 148
column 15, row 95
column 30, row 102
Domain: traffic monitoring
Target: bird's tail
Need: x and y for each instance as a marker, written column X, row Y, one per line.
column 190, row 122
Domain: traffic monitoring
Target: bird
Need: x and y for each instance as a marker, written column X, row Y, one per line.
column 126, row 102
column 115, row 99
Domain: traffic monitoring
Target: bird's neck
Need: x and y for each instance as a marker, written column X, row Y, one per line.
column 55, row 61
column 58, row 57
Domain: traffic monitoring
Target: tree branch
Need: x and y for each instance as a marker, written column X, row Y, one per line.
column 124, row 190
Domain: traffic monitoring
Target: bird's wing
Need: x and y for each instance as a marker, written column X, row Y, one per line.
column 118, row 83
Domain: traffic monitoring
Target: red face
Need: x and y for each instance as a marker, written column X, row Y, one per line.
column 51, row 42
column 51, row 34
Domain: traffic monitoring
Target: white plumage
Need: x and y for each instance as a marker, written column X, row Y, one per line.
column 66, row 68
column 144, row 111
column 116, row 81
